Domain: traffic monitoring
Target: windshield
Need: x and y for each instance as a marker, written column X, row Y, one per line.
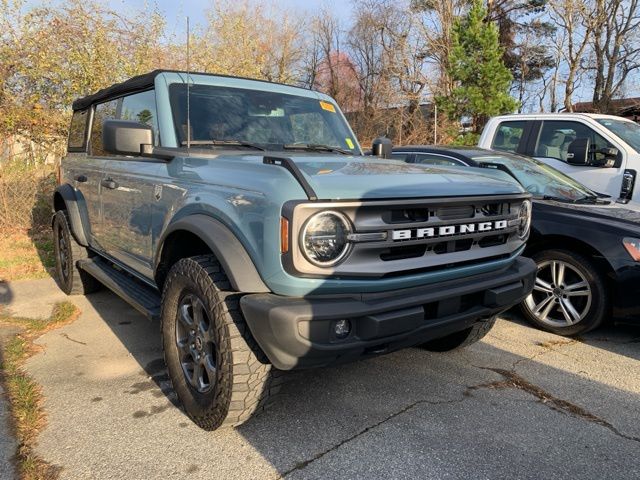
column 267, row 119
column 537, row 178
column 627, row 131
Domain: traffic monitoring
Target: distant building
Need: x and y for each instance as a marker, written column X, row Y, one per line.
column 624, row 107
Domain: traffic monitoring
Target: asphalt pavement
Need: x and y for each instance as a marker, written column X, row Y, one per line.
column 520, row 404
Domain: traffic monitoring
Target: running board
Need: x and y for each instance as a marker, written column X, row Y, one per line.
column 143, row 298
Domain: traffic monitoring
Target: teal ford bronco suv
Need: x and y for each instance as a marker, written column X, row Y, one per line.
column 243, row 216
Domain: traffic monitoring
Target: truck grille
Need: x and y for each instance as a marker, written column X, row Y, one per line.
column 415, row 235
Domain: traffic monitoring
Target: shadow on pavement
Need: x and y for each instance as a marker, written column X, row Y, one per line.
column 417, row 414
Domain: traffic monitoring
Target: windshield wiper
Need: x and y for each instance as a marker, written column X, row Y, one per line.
column 225, row 143
column 588, row 199
column 315, row 147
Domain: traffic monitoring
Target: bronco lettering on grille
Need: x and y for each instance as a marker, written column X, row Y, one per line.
column 445, row 230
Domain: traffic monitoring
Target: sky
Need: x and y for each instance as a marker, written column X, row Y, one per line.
column 175, row 11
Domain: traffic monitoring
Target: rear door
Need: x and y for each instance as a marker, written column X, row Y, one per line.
column 84, row 172
column 513, row 135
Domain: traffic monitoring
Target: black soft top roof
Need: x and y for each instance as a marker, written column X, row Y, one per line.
column 140, row 82
column 143, row 82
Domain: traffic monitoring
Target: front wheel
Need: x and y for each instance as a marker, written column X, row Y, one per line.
column 214, row 364
column 462, row 338
column 569, row 296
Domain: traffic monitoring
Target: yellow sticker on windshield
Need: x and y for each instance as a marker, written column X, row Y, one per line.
column 349, row 143
column 327, row 106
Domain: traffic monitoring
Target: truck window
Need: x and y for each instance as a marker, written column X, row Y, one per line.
column 508, row 136
column 78, row 131
column 139, row 107
column 556, row 136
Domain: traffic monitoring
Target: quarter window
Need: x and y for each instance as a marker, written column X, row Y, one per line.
column 556, row 136
column 508, row 136
column 78, row 131
column 139, row 107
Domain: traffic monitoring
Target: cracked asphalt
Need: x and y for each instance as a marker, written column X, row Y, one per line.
column 520, row 404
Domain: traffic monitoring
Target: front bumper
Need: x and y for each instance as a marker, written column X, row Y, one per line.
column 626, row 292
column 298, row 332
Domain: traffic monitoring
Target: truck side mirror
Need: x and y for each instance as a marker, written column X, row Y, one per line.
column 609, row 157
column 578, row 152
column 125, row 137
column 382, row 147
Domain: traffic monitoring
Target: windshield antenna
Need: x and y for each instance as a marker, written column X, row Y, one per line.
column 188, row 91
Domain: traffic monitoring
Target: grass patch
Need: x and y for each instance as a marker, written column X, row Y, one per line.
column 26, row 254
column 25, row 395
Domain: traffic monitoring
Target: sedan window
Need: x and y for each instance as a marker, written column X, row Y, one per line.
column 436, row 159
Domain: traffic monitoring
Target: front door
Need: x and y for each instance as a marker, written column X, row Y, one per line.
column 552, row 148
column 127, row 187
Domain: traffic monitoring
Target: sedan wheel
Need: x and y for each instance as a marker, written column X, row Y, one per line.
column 561, row 295
column 568, row 297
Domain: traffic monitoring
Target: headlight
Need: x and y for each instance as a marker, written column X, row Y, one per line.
column 324, row 238
column 632, row 245
column 524, row 219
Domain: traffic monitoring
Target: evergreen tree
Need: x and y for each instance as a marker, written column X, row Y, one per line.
column 478, row 71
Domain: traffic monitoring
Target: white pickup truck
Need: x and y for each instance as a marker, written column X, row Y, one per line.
column 600, row 151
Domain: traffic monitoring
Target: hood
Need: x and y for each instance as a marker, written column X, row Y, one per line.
column 610, row 214
column 370, row 178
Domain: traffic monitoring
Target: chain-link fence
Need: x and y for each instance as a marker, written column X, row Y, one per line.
column 25, row 196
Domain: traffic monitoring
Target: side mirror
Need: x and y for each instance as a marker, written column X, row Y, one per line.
column 382, row 147
column 578, row 152
column 608, row 157
column 125, row 137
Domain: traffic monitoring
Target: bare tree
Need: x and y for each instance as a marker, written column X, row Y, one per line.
column 573, row 17
column 616, row 48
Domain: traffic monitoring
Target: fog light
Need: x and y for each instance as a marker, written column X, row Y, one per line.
column 342, row 328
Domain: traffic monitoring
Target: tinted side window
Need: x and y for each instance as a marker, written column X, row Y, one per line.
column 508, row 136
column 400, row 156
column 139, row 107
column 556, row 136
column 103, row 111
column 433, row 159
column 78, row 131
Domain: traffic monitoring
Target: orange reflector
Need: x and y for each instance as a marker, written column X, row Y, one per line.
column 284, row 235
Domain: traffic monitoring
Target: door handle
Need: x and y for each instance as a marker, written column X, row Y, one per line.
column 81, row 178
column 109, row 183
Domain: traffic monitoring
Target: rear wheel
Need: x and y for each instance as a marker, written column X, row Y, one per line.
column 68, row 251
column 569, row 296
column 217, row 370
column 460, row 339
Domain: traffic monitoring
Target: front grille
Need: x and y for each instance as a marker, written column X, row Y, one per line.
column 455, row 213
column 417, row 235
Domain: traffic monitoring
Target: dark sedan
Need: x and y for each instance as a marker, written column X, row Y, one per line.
column 587, row 248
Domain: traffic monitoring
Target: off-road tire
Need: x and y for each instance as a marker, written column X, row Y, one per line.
column 599, row 306
column 69, row 277
column 460, row 339
column 245, row 382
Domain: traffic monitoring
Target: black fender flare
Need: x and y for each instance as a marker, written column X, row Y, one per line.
column 224, row 244
column 76, row 212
